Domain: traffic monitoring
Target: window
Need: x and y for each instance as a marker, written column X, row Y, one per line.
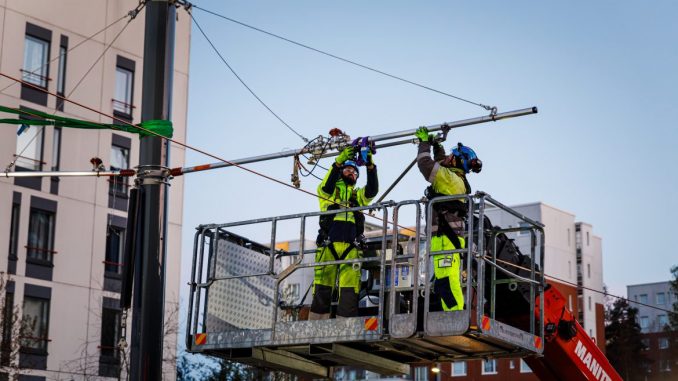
column 119, row 160
column 115, row 247
column 644, row 322
column 524, row 225
column 642, row 298
column 123, row 91
column 589, row 303
column 123, row 98
column 569, row 269
column 421, row 373
column 36, row 54
column 41, row 235
column 663, row 343
column 459, row 368
column 29, row 147
column 14, row 230
column 646, row 344
column 663, row 321
column 36, row 316
column 524, row 368
column 56, row 148
column 587, row 238
column 110, row 332
column 661, row 298
column 664, row 365
column 489, row 366
column 588, row 270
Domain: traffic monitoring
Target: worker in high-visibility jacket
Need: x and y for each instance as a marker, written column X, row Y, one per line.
column 340, row 235
column 447, row 175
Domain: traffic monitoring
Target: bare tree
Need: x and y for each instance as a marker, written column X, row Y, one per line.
column 88, row 364
column 14, row 328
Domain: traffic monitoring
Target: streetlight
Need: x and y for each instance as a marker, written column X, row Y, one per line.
column 437, row 370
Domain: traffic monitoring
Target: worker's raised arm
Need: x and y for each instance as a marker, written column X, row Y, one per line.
column 372, row 187
column 427, row 166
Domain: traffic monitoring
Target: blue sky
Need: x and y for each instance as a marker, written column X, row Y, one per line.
column 603, row 75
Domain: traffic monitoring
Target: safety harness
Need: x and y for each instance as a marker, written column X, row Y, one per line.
column 456, row 207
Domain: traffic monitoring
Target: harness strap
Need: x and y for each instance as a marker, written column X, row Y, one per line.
column 343, row 255
column 444, row 228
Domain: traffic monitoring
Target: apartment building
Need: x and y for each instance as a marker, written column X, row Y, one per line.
column 64, row 236
column 653, row 302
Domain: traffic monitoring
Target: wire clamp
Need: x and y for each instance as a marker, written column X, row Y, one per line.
column 152, row 175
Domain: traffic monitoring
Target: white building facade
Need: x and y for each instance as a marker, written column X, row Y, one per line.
column 64, row 236
column 573, row 260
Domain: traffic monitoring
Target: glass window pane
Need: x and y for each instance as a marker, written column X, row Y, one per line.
column 123, row 91
column 524, row 368
column 663, row 343
column 40, row 235
column 110, row 332
column 56, row 149
column 35, row 61
column 489, row 366
column 29, row 148
column 115, row 245
column 119, row 160
column 61, row 79
column 35, row 318
column 644, row 322
column 459, row 368
column 14, row 230
column 661, row 298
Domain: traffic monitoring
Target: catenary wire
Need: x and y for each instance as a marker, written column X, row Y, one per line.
column 243, row 82
column 274, row 179
column 489, row 108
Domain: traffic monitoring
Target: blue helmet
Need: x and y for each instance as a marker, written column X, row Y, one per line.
column 351, row 163
column 468, row 157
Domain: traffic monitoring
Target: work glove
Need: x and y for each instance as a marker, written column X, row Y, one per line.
column 370, row 161
column 346, row 154
column 422, row 134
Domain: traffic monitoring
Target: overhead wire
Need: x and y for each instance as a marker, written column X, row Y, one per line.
column 306, row 140
column 486, row 107
column 274, row 179
column 243, row 82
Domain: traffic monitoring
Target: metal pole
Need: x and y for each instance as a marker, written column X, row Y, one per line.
column 376, row 138
column 125, row 172
column 148, row 305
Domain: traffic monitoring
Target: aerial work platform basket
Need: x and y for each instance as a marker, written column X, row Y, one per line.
column 249, row 301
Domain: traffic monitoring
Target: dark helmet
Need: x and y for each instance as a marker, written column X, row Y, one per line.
column 468, row 157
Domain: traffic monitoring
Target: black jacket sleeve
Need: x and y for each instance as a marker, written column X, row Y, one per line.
column 332, row 178
column 372, row 187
